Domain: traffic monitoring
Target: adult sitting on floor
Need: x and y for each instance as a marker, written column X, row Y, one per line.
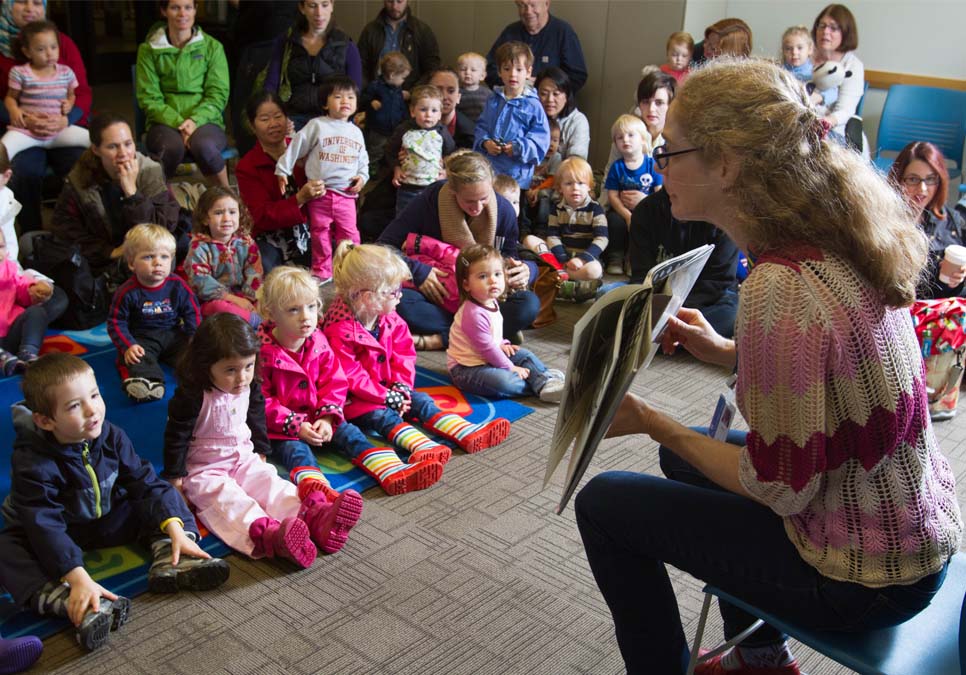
column 111, row 189
column 459, row 211
column 656, row 235
column 279, row 224
column 30, row 166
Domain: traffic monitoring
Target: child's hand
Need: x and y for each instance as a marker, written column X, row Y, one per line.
column 290, row 128
column 397, row 176
column 323, row 427
column 134, row 354
column 631, row 198
column 65, row 106
column 533, row 196
column 376, row 104
column 492, row 147
column 405, row 95
column 181, row 543
column 574, row 264
column 39, row 292
column 308, row 434
column 16, row 119
column 85, row 593
column 507, row 149
column 509, row 349
column 522, row 373
column 355, row 185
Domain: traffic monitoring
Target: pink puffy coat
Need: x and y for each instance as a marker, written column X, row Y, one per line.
column 14, row 296
column 300, row 392
column 440, row 255
column 370, row 365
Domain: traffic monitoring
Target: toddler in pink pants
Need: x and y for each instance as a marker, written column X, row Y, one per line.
column 216, row 423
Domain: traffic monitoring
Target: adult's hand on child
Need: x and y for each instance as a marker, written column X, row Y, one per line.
column 181, row 543
column 39, row 292
column 397, row 176
column 85, row 593
column 519, row 371
column 134, row 354
column 433, row 288
column 509, row 349
column 309, row 191
column 691, row 330
column 65, row 106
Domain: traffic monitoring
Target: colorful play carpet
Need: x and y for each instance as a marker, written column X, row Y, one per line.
column 123, row 569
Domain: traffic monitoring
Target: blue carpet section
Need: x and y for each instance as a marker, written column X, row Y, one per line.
column 124, row 569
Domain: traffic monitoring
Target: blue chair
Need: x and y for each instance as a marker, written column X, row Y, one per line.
column 861, row 105
column 140, row 128
column 930, row 642
column 914, row 113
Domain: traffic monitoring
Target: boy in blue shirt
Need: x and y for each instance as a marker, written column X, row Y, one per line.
column 513, row 131
column 630, row 179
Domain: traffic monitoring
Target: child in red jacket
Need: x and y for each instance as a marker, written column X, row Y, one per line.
column 375, row 348
column 305, row 390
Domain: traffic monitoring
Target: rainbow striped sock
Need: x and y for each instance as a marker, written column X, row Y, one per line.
column 381, row 463
column 410, row 439
column 301, row 473
column 453, row 426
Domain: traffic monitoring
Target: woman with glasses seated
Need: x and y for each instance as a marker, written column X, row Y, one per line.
column 836, row 38
column 919, row 173
column 836, row 510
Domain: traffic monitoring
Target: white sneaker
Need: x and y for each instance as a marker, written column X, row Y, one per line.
column 616, row 269
column 552, row 391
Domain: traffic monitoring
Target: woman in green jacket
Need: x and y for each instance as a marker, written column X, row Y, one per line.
column 182, row 87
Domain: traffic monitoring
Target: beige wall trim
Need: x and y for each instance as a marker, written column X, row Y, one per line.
column 881, row 79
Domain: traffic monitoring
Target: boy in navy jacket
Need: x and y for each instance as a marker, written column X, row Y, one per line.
column 77, row 483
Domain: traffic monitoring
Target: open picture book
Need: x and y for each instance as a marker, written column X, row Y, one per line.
column 616, row 337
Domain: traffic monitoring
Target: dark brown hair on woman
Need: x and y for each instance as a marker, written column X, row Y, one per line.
column 931, row 155
column 843, row 17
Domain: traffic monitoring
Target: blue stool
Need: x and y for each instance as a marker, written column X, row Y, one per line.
column 931, row 643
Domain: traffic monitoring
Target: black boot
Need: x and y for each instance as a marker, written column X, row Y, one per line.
column 95, row 627
column 191, row 574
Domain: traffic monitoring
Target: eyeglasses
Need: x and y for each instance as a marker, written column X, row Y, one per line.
column 913, row 180
column 834, row 27
column 394, row 293
column 661, row 155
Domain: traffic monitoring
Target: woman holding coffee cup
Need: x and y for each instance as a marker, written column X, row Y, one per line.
column 920, row 174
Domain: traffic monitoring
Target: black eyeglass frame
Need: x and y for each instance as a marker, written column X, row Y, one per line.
column 661, row 156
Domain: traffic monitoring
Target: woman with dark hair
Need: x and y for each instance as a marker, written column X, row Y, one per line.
column 836, row 38
column 919, row 173
column 280, row 228
column 310, row 51
column 182, row 87
column 30, row 166
column 559, row 101
column 112, row 188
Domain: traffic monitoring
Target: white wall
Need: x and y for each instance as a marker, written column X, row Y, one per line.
column 922, row 37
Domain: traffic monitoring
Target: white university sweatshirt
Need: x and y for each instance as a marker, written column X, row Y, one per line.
column 334, row 151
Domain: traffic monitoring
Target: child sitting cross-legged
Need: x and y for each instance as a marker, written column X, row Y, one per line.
column 76, row 484
column 305, row 391
column 153, row 313
column 377, row 353
column 479, row 359
column 215, row 433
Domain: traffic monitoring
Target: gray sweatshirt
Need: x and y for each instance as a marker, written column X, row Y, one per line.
column 334, row 152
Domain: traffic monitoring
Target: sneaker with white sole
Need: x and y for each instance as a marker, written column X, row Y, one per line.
column 616, row 268
column 552, row 391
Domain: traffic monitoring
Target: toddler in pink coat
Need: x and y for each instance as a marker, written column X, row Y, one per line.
column 216, row 423
column 375, row 348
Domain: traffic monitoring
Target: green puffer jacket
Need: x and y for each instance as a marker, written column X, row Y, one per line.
column 177, row 84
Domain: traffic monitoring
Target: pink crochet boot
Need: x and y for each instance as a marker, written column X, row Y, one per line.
column 288, row 539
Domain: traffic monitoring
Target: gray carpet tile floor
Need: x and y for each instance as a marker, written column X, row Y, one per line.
column 475, row 575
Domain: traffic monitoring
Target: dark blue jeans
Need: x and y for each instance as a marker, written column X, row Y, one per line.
column 424, row 318
column 346, row 439
column 384, row 420
column 632, row 524
column 29, row 169
column 493, row 382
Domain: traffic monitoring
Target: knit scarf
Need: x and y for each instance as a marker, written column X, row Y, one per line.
column 453, row 227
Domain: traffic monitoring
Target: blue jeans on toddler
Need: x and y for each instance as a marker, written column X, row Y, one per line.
column 384, row 420
column 293, row 453
column 493, row 382
column 632, row 524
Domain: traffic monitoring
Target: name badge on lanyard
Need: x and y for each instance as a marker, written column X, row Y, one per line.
column 724, row 413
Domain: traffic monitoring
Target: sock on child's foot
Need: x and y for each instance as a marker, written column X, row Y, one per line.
column 467, row 435
column 395, row 476
column 310, row 479
column 420, row 446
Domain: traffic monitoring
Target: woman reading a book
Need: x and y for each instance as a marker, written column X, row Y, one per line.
column 836, row 509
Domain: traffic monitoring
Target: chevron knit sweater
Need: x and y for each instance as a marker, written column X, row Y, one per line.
column 832, row 386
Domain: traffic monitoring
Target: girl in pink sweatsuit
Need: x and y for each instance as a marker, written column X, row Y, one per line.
column 216, row 423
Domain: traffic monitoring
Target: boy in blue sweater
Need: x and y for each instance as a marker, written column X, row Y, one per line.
column 77, row 483
column 513, row 131
column 152, row 315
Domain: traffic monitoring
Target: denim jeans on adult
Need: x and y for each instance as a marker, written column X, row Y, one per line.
column 632, row 524
column 425, row 318
column 493, row 382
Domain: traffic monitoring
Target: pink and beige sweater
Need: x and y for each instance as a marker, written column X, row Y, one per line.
column 832, row 386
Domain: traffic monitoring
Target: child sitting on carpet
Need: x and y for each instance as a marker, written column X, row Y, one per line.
column 305, row 388
column 223, row 265
column 27, row 306
column 479, row 359
column 376, row 351
column 153, row 314
column 216, row 424
column 77, row 483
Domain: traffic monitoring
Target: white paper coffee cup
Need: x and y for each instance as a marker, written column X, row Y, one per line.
column 955, row 255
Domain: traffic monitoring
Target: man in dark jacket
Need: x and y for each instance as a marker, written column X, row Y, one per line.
column 656, row 236
column 396, row 29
